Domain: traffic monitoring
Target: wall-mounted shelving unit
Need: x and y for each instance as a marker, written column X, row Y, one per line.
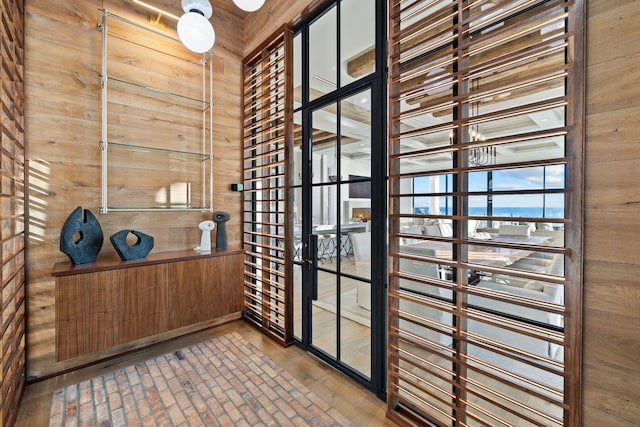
column 157, row 120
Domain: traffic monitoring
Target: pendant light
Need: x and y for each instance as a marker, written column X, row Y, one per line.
column 249, row 5
column 194, row 29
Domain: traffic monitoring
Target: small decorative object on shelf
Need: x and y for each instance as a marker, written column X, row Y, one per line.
column 205, row 239
column 81, row 237
column 222, row 242
column 140, row 249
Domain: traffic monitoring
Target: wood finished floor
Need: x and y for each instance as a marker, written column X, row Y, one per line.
column 353, row 401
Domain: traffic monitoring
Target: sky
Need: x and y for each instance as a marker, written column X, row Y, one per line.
column 533, row 178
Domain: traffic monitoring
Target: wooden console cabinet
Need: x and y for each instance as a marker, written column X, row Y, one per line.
column 124, row 304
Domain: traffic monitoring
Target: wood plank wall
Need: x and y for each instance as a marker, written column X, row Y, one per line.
column 63, row 131
column 612, row 202
column 12, row 202
column 611, row 327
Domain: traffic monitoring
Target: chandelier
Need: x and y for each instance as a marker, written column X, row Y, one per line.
column 479, row 156
column 482, row 156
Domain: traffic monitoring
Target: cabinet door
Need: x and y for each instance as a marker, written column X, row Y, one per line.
column 204, row 289
column 96, row 311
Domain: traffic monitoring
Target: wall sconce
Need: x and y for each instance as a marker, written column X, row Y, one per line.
column 194, row 29
column 249, row 5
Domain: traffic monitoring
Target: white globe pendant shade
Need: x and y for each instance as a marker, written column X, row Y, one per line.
column 196, row 32
column 194, row 29
column 249, row 5
column 201, row 6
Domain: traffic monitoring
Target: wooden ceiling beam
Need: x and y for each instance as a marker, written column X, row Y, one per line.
column 362, row 64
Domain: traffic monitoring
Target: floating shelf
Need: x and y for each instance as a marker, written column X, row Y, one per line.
column 142, row 90
column 156, row 137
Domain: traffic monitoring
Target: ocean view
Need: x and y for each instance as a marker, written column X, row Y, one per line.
column 516, row 212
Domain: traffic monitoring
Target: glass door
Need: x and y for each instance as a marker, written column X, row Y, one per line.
column 340, row 191
column 341, row 218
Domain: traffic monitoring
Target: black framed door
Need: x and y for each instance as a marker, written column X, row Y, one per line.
column 340, row 192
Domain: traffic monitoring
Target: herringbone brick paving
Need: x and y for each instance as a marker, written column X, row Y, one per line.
column 225, row 381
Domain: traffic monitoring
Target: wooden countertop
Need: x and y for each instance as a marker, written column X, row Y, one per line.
column 68, row 269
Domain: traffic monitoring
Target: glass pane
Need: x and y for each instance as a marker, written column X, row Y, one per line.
column 356, row 204
column 357, row 211
column 324, row 216
column 534, row 178
column 416, row 198
column 297, row 149
column 355, row 135
column 297, row 224
column 545, row 210
column 423, row 185
column 323, row 68
column 324, row 317
column 357, row 39
column 554, row 176
column 324, row 145
column 297, row 72
column 355, row 172
column 297, row 301
column 356, row 218
column 355, row 324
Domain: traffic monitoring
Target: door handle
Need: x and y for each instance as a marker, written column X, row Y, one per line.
column 312, row 264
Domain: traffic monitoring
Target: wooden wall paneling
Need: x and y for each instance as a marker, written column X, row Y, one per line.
column 63, row 115
column 12, row 209
column 62, row 75
column 611, row 384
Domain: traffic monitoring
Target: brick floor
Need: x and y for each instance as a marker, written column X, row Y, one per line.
column 225, row 381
